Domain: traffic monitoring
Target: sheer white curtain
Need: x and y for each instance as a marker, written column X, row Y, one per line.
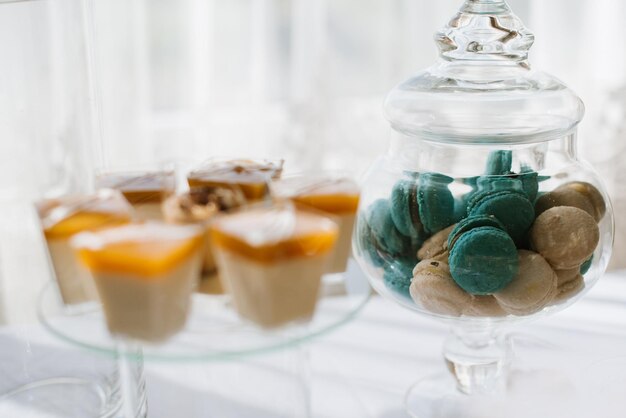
column 299, row 78
column 46, row 131
column 196, row 77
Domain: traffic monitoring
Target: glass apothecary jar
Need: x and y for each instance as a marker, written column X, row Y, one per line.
column 482, row 213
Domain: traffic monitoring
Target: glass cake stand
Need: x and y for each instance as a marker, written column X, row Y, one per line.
column 213, row 332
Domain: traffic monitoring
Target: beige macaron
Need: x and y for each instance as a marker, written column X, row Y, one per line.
column 592, row 193
column 570, row 283
column 564, row 197
column 570, row 289
column 565, row 236
column 532, row 289
column 433, row 288
column 436, row 247
column 567, row 275
column 484, row 306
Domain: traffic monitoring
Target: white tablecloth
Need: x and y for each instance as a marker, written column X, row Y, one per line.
column 363, row 369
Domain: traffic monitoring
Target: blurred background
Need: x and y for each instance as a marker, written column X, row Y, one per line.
column 86, row 84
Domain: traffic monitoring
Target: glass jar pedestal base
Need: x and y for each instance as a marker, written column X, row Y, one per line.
column 488, row 381
column 524, row 394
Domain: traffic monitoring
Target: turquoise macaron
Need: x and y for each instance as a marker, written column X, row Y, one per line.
column 460, row 203
column 512, row 208
column 530, row 182
column 470, row 181
column 460, row 209
column 473, row 222
column 384, row 236
column 483, row 260
column 499, row 183
column 435, row 202
column 367, row 243
column 404, row 208
column 584, row 267
column 499, row 163
column 398, row 276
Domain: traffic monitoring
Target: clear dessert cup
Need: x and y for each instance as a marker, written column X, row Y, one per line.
column 145, row 274
column 145, row 189
column 251, row 176
column 64, row 217
column 271, row 258
column 482, row 214
column 334, row 193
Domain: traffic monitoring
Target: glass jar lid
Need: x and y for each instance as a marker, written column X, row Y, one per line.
column 482, row 89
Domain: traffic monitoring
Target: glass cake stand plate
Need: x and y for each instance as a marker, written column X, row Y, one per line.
column 214, row 331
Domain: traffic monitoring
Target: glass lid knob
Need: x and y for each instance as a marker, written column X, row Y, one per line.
column 485, row 30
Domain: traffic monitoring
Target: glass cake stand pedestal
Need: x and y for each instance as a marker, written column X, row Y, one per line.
column 213, row 333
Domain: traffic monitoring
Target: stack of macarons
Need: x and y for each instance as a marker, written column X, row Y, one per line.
column 393, row 230
column 501, row 249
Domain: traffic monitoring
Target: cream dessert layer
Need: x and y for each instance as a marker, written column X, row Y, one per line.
column 65, row 217
column 252, row 177
column 271, row 260
column 146, row 191
column 145, row 274
column 199, row 206
column 336, row 196
column 274, row 294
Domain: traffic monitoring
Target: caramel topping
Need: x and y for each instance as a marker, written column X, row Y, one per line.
column 333, row 195
column 84, row 221
column 337, row 204
column 302, row 246
column 138, row 197
column 68, row 215
column 252, row 177
column 145, row 256
column 269, row 236
column 140, row 188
